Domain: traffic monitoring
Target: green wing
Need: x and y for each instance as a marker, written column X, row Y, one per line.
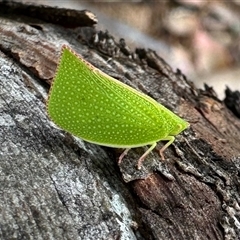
column 97, row 108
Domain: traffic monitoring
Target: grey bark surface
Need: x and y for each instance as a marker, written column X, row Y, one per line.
column 55, row 186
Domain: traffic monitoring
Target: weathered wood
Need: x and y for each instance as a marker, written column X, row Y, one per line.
column 65, row 17
column 54, row 186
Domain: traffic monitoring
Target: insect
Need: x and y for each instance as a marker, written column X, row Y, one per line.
column 99, row 109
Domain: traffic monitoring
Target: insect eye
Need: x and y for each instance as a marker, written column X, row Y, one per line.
column 177, row 129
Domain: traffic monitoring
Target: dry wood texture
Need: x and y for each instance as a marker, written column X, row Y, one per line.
column 54, row 186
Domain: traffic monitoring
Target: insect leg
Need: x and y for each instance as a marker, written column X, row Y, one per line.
column 141, row 159
column 170, row 141
column 122, row 155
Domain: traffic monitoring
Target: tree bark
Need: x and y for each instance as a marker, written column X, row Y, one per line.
column 55, row 186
